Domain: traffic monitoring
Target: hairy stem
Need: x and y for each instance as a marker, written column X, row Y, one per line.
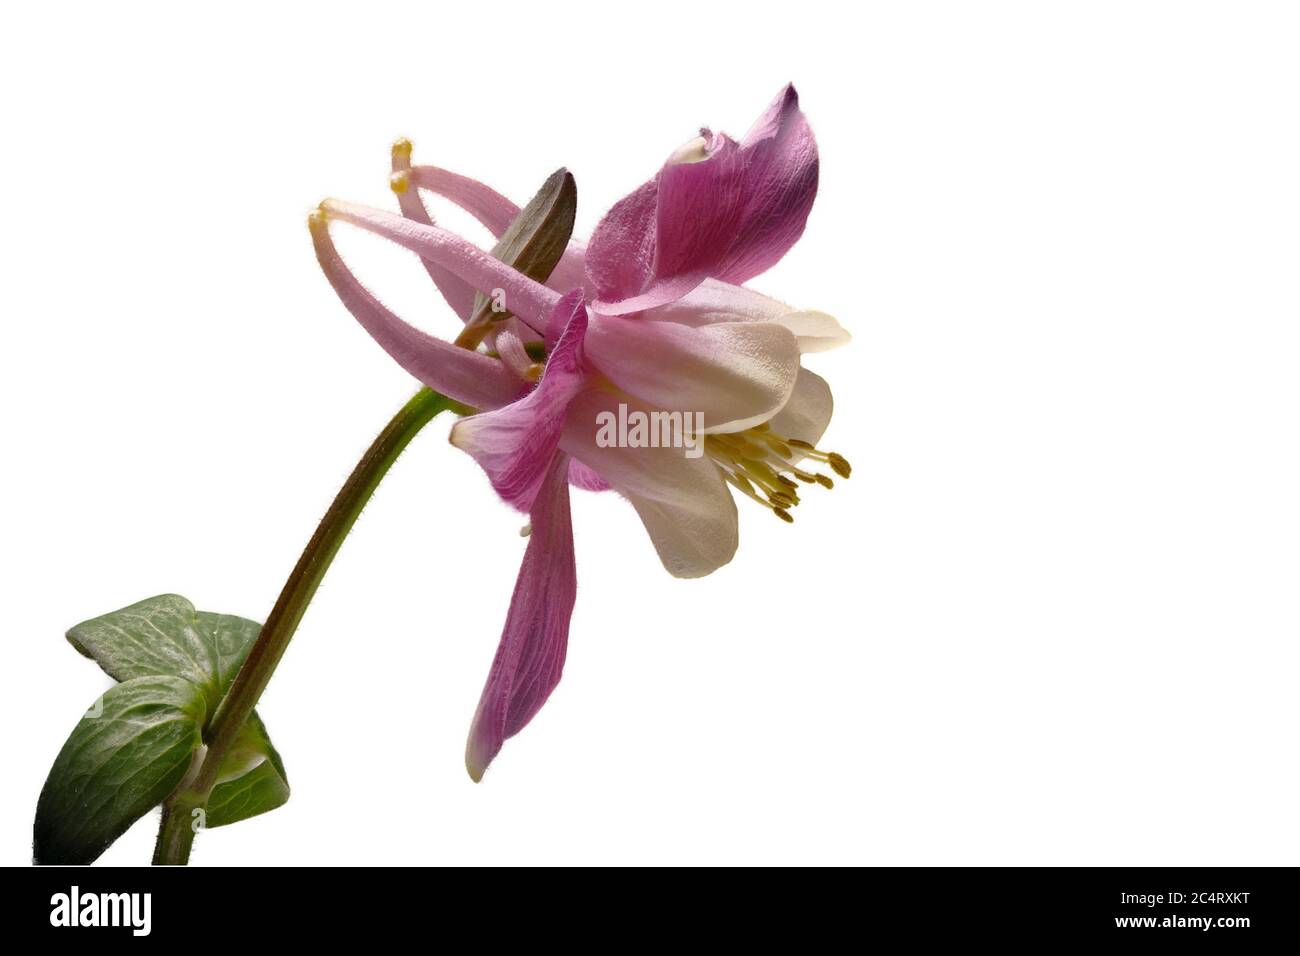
column 180, row 822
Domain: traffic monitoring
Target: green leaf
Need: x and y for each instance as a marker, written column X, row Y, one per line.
column 252, row 778
column 228, row 639
column 165, row 636
column 123, row 758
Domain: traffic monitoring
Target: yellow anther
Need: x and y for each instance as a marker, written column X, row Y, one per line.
column 783, row 515
column 402, row 148
column 761, row 464
column 534, row 372
column 399, row 181
column 763, row 471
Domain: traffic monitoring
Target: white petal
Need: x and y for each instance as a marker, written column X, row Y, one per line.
column 737, row 374
column 683, row 502
column 814, row 331
column 715, row 301
column 808, row 412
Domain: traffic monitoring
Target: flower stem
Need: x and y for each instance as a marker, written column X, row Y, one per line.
column 180, row 822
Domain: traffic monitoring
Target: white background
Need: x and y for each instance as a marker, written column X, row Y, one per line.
column 1052, row 619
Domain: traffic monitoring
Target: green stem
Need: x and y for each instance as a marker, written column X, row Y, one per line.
column 176, row 834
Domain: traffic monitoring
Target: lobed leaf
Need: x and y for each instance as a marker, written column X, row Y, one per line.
column 187, row 659
column 252, row 779
column 122, row 759
column 165, row 635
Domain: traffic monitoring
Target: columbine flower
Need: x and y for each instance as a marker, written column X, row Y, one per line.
column 650, row 314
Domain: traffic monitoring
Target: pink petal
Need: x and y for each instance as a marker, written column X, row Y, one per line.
column 489, row 207
column 661, row 241
column 458, row 293
column 701, row 208
column 571, row 271
column 530, row 657
column 469, row 377
column 781, row 178
column 729, row 215
column 738, row 374
column 515, row 444
column 485, row 204
column 580, row 476
column 620, row 255
column 530, row 301
column 715, row 301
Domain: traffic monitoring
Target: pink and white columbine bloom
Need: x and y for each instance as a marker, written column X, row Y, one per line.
column 651, row 313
